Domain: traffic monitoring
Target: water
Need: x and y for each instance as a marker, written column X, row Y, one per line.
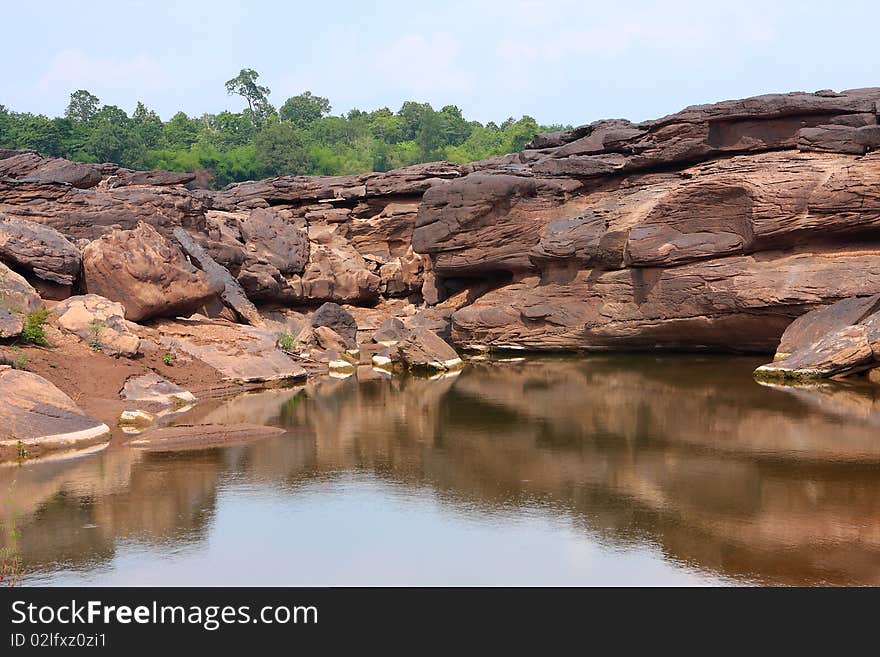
column 617, row 470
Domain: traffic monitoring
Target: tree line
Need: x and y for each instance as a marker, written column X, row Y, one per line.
column 299, row 137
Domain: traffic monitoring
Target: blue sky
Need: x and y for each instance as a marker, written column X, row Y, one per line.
column 559, row 61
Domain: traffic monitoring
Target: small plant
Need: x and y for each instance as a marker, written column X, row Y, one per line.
column 21, row 359
column 168, row 359
column 95, row 329
column 34, row 327
column 22, row 451
column 287, row 341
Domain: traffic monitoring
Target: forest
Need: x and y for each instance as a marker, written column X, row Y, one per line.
column 300, row 136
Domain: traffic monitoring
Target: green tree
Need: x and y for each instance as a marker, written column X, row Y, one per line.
column 280, row 150
column 147, row 125
column 83, row 106
column 180, row 131
column 245, row 85
column 305, row 109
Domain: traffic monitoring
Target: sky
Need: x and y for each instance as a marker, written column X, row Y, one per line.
column 560, row 61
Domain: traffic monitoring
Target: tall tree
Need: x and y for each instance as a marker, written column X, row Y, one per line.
column 305, row 109
column 245, row 85
column 83, row 106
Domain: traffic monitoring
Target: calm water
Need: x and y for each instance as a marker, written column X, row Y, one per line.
column 605, row 470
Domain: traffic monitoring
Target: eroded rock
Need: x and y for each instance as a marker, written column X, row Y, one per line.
column 147, row 273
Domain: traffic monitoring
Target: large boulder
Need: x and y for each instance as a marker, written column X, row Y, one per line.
column 269, row 239
column 100, row 323
column 35, row 412
column 334, row 316
column 39, row 249
column 422, row 349
column 838, row 340
column 148, row 274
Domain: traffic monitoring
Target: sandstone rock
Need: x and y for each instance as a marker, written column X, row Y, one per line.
column 270, row 240
column 423, row 350
column 99, row 322
column 10, row 325
column 328, row 339
column 38, row 249
column 153, row 388
column 35, row 412
column 240, row 353
column 838, row 340
column 147, row 273
column 390, row 333
column 135, row 421
column 334, row 316
column 233, row 295
column 16, row 294
column 810, row 327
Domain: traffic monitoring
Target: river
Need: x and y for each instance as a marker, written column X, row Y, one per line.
column 600, row 470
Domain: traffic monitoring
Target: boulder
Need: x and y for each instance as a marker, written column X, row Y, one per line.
column 837, row 340
column 35, row 412
column 270, row 240
column 148, row 274
column 16, row 294
column 390, row 333
column 38, row 249
column 153, row 388
column 422, row 349
column 328, row 339
column 10, row 324
column 334, row 316
column 99, row 322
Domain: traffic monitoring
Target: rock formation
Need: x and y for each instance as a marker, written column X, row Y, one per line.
column 712, row 228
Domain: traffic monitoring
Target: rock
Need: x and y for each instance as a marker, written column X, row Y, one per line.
column 17, row 297
column 270, row 240
column 233, row 295
column 328, row 339
column 10, row 324
column 334, row 316
column 841, row 352
column 35, row 412
column 840, row 139
column 151, row 276
column 100, row 323
column 810, row 327
column 243, row 354
column 124, row 177
column 390, row 333
column 135, row 421
column 39, row 249
column 837, row 340
column 153, row 388
column 423, row 350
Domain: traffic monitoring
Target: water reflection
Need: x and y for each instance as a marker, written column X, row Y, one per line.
column 676, row 469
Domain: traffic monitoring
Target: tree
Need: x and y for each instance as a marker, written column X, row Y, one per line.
column 83, row 106
column 257, row 97
column 281, row 150
column 305, row 109
column 112, row 138
column 147, row 125
column 181, row 131
column 413, row 114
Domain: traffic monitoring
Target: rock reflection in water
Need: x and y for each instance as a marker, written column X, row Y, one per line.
column 685, row 453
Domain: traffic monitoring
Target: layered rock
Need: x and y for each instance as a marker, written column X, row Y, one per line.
column 147, row 274
column 35, row 412
column 838, row 340
column 100, row 323
column 39, row 250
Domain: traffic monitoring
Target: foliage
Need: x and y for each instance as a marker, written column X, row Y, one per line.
column 95, row 329
column 287, row 341
column 301, row 137
column 21, row 359
column 168, row 359
column 33, row 327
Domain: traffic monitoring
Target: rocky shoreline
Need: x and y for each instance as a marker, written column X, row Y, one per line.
column 714, row 228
